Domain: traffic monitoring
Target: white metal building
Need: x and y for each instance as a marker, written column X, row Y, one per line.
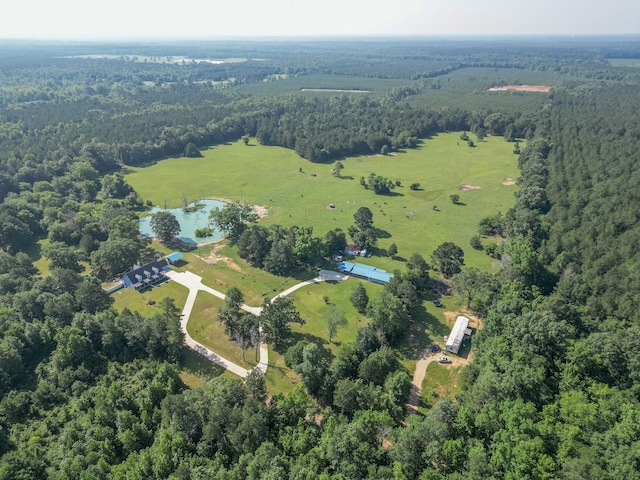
column 458, row 332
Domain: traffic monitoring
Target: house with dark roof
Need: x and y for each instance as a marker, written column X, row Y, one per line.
column 145, row 276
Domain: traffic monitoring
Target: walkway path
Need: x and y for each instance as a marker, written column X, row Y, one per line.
column 194, row 283
column 425, row 357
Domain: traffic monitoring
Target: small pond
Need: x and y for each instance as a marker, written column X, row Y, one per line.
column 189, row 222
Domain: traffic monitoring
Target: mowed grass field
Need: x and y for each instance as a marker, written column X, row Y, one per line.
column 297, row 192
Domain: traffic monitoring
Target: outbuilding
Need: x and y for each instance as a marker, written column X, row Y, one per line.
column 457, row 335
column 174, row 257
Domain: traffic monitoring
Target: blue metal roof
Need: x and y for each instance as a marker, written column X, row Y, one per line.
column 365, row 271
column 174, row 257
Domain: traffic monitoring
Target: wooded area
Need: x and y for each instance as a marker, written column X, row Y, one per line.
column 88, row 392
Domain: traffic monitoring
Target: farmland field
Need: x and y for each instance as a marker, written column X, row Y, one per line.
column 296, row 192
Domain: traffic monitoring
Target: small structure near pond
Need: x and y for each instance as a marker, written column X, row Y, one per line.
column 174, row 257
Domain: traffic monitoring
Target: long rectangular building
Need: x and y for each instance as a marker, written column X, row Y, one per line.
column 457, row 334
column 366, row 272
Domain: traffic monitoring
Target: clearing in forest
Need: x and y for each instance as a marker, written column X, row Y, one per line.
column 297, row 192
column 521, row 88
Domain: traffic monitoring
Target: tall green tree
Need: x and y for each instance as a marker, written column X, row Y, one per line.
column 388, row 316
column 334, row 319
column 276, row 316
column 471, row 282
column 232, row 219
column 165, row 226
column 359, row 298
column 448, row 259
column 363, row 218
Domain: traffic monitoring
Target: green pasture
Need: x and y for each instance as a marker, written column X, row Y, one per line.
column 624, row 62
column 297, row 192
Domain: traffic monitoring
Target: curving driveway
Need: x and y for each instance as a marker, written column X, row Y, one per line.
column 194, row 283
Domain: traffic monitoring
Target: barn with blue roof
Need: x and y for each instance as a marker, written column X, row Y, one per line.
column 366, row 272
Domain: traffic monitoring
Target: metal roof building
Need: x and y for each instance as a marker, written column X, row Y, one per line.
column 366, row 272
column 458, row 332
column 174, row 257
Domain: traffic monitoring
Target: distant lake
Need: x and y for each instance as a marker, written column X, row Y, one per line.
column 189, row 222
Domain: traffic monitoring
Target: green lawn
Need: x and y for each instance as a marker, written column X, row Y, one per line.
column 440, row 382
column 310, row 302
column 196, row 369
column 271, row 177
column 204, row 327
column 142, row 302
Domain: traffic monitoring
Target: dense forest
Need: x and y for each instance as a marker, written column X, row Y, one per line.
column 88, row 392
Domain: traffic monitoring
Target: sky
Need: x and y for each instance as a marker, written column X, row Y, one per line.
column 118, row 19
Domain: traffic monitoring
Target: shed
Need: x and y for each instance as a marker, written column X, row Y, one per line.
column 457, row 334
column 355, row 251
column 367, row 272
column 174, row 257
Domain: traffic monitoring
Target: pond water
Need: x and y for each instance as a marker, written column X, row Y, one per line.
column 189, row 222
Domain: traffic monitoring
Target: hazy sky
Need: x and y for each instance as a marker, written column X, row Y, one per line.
column 221, row 18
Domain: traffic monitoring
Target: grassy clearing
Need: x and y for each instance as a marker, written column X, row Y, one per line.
column 440, row 382
column 294, row 84
column 279, row 378
column 34, row 250
column 466, row 88
column 441, row 165
column 312, row 306
column 204, row 327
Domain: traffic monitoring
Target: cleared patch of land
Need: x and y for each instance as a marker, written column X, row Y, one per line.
column 333, row 90
column 521, row 88
column 297, row 192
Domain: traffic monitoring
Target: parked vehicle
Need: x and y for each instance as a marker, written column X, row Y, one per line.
column 444, row 360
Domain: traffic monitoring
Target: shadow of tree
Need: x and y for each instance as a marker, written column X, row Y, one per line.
column 381, row 233
column 195, row 363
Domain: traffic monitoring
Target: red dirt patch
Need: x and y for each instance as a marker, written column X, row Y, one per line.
column 521, row 88
column 214, row 258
